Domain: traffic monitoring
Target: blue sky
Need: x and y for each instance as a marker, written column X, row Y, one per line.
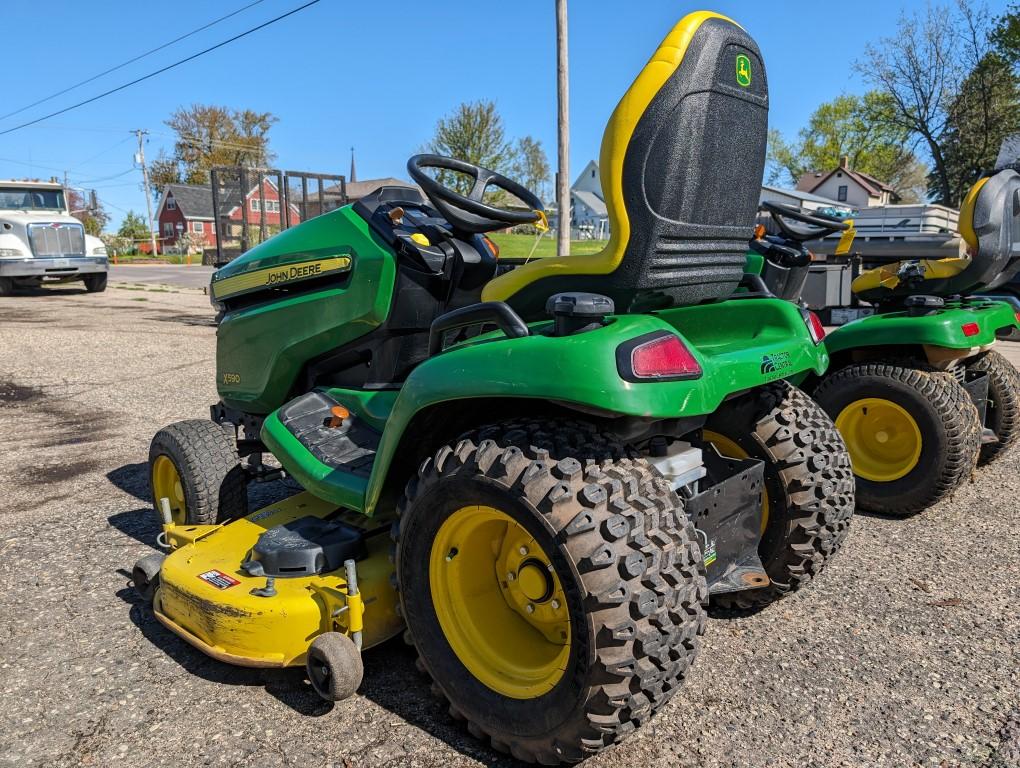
column 376, row 75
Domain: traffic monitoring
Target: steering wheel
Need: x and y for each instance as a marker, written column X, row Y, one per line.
column 819, row 225
column 468, row 213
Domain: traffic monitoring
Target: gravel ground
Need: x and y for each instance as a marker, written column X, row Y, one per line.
column 906, row 652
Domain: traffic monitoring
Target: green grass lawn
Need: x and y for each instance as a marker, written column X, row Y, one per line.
column 519, row 246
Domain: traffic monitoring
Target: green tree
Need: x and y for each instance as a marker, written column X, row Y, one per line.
column 133, row 227
column 847, row 127
column 1006, row 35
column 531, row 166
column 473, row 132
column 983, row 113
column 207, row 136
column 947, row 88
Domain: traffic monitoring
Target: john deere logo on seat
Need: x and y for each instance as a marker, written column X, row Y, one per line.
column 743, row 70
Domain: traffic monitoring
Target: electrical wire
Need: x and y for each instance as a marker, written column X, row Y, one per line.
column 129, row 61
column 162, row 69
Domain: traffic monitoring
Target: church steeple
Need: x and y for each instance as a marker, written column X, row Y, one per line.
column 354, row 171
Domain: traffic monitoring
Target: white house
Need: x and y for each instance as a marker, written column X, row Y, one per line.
column 590, row 218
column 847, row 186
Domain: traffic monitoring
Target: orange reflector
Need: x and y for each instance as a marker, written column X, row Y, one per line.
column 337, row 415
column 970, row 329
column 759, row 231
column 1017, row 316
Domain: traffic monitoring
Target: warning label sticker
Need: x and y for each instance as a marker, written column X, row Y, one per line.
column 219, row 579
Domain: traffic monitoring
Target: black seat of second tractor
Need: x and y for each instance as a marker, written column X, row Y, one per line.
column 990, row 228
column 682, row 162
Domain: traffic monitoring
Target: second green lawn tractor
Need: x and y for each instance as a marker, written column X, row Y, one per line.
column 516, row 472
column 917, row 390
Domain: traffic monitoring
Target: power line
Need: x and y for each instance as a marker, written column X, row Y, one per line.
column 129, row 61
column 161, row 70
column 109, row 178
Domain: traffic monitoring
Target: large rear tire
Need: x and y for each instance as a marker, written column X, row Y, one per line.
column 913, row 433
column 1003, row 411
column 195, row 465
column 809, row 486
column 553, row 588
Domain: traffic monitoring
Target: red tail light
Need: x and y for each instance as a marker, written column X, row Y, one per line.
column 970, row 329
column 659, row 356
column 815, row 327
column 1017, row 316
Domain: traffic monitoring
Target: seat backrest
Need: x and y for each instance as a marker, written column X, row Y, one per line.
column 990, row 225
column 681, row 163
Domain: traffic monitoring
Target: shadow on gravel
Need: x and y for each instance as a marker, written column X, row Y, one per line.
column 393, row 682
column 140, row 524
column 132, row 478
column 22, row 292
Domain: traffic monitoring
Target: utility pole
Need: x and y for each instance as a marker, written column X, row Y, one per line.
column 145, row 183
column 562, row 133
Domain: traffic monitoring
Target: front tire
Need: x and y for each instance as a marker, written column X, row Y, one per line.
column 913, row 433
column 6, row 286
column 194, row 464
column 598, row 616
column 1003, row 410
column 809, row 486
column 95, row 283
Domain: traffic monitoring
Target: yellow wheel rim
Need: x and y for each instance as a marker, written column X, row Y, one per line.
column 166, row 483
column 499, row 602
column 883, row 439
column 730, row 449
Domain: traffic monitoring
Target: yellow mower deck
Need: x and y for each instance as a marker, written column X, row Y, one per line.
column 206, row 599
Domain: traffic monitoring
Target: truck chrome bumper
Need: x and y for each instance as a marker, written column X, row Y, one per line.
column 53, row 268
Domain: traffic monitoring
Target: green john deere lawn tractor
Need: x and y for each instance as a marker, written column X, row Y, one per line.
column 917, row 390
column 518, row 471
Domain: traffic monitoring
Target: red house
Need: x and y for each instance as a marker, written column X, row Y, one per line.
column 189, row 208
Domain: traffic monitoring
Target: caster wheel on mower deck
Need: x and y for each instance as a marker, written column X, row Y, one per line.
column 334, row 666
column 553, row 588
column 809, row 486
column 1003, row 411
column 195, row 465
column 913, row 433
column 145, row 575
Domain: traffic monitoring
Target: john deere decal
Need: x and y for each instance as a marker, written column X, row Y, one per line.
column 743, row 70
column 263, row 278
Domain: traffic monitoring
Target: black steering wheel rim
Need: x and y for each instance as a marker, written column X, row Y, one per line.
column 822, row 224
column 446, row 198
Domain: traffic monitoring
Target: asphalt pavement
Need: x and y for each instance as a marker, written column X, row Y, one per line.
column 905, row 652
column 194, row 276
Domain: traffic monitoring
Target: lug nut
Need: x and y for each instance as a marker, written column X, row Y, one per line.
column 555, row 604
column 529, row 608
column 523, row 550
column 511, row 576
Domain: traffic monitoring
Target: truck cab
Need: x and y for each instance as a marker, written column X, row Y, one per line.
column 40, row 241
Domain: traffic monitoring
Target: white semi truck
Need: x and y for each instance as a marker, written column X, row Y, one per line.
column 41, row 241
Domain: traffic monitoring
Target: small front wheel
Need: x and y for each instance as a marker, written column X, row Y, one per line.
column 145, row 575
column 194, row 466
column 334, row 666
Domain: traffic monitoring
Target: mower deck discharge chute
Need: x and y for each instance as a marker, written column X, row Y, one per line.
column 917, row 390
column 540, row 474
